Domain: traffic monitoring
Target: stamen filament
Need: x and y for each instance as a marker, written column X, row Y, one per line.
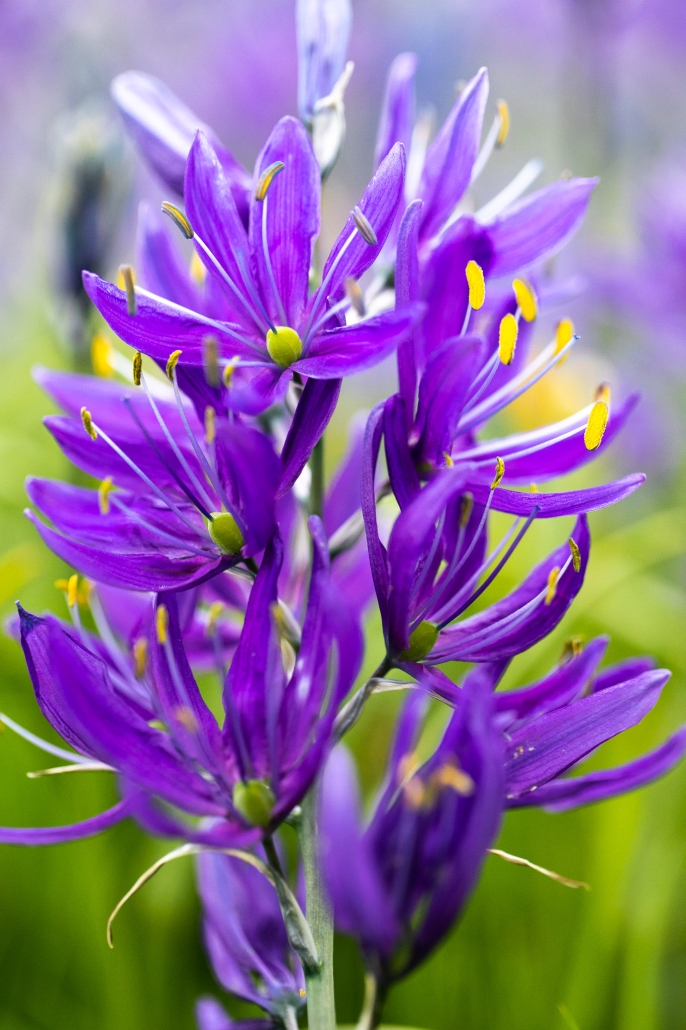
column 52, row 749
column 268, row 265
column 183, row 545
column 213, row 323
column 259, row 317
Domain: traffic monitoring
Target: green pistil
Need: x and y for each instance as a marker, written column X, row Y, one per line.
column 225, row 532
column 284, row 345
column 422, row 639
column 254, row 800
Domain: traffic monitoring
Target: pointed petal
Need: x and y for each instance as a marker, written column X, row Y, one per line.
column 249, row 469
column 354, row 348
column 407, row 293
column 344, row 494
column 398, row 109
column 443, row 391
column 323, row 29
column 316, row 406
column 571, row 502
column 377, row 552
column 401, row 470
column 61, row 834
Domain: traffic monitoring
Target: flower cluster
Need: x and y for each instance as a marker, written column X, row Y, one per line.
column 211, row 544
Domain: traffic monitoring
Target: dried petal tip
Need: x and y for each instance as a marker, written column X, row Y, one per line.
column 467, row 506
column 254, row 800
column 172, row 362
column 553, row 576
column 526, row 299
column 101, row 356
column 225, row 532
column 354, row 295
column 563, row 334
column 267, row 178
column 88, row 423
column 422, row 639
column 137, row 368
column 284, row 345
column 210, row 347
column 104, row 491
column 477, row 285
column 128, row 281
column 596, row 425
column 507, row 339
column 364, row 227
column 576, row 554
column 178, row 218
column 499, row 473
column 162, row 624
column 504, row 115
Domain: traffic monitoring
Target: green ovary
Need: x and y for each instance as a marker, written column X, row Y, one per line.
column 225, row 532
column 284, row 345
column 422, row 639
column 254, row 800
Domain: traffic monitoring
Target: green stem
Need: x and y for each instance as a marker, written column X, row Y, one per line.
column 317, row 484
column 321, row 1007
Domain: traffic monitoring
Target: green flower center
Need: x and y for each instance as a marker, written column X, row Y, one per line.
column 225, row 532
column 422, row 639
column 284, row 345
column 254, row 800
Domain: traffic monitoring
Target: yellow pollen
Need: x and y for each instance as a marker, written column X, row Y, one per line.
column 576, row 554
column 266, row 179
column 302, row 992
column 185, row 716
column 596, row 425
column 552, row 584
column 499, row 473
column 563, row 334
column 284, row 345
column 128, row 283
column 101, row 355
column 230, row 369
column 210, row 429
column 178, row 218
column 104, row 495
column 197, row 270
column 137, row 368
column 526, row 298
column 466, row 508
column 603, row 393
column 162, row 624
column 216, row 608
column 507, row 339
column 449, row 463
column 477, row 285
column 364, row 227
column 88, row 423
column 72, row 590
column 140, row 657
column 172, row 362
column 504, row 112
column 210, row 347
column 450, row 775
column 354, row 295
column 533, row 488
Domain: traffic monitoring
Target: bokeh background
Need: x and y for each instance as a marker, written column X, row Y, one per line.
column 594, row 86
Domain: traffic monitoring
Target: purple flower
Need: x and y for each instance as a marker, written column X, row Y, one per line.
column 243, row 778
column 323, row 28
column 246, row 940
column 399, row 883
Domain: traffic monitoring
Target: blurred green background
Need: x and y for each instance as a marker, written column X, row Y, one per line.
column 529, row 953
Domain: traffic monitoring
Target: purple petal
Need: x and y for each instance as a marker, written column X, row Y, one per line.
column 344, row 494
column 407, row 293
column 621, row 672
column 551, row 744
column 451, row 156
column 443, row 391
column 401, row 470
column 354, row 348
column 573, row 502
column 323, row 29
column 249, row 469
column 316, row 406
column 537, row 226
column 398, row 109
column 564, row 794
column 61, row 834
column 163, row 128
column 159, row 264
column 377, row 552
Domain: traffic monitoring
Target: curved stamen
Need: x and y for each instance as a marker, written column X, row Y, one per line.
column 258, row 313
column 320, row 295
column 183, row 545
column 268, row 265
column 343, row 305
column 213, row 323
column 52, row 749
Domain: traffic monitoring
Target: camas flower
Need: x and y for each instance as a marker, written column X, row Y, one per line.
column 247, row 944
column 244, row 777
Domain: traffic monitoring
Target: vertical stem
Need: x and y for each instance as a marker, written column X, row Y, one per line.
column 317, row 484
column 321, row 1008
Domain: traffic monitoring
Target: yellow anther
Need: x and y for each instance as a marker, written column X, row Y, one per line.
column 466, row 508
column 407, row 766
column 62, row 584
column 563, row 334
column 101, row 355
column 267, row 178
column 533, row 488
column 477, row 285
column 196, row 269
column 162, row 624
column 140, row 657
column 230, row 369
column 72, row 589
column 210, row 356
column 172, row 362
column 185, row 716
column 603, row 393
column 573, row 647
column 354, row 295
column 128, row 283
column 499, row 473
column 284, row 345
column 552, row 584
column 178, row 218
column 137, row 368
column 302, row 992
column 364, row 227
column 507, row 339
column 88, row 423
column 526, row 298
column 104, row 491
column 450, row 775
column 449, row 463
column 576, row 554
column 210, row 428
column 216, row 608
column 504, row 113
column 225, row 532
column 596, row 425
